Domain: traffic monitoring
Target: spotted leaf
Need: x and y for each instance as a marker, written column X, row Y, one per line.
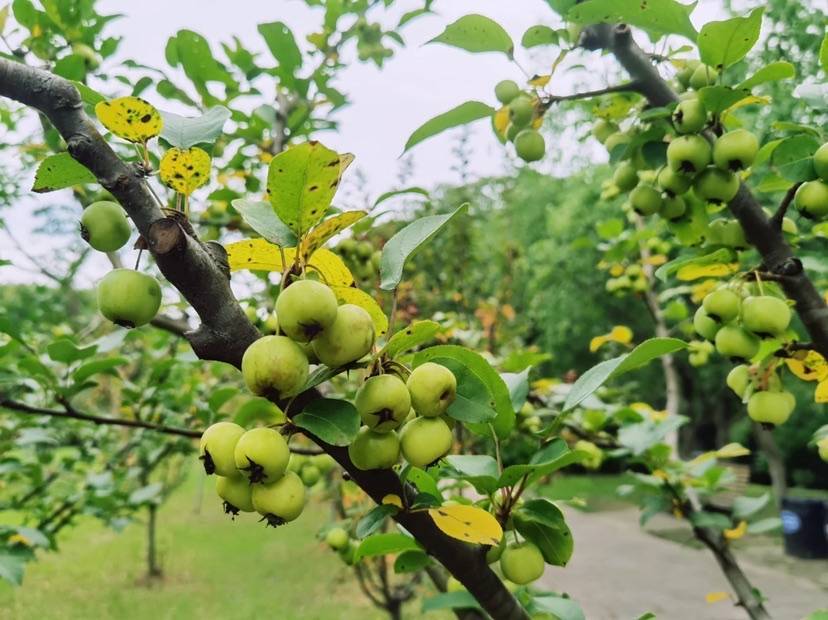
column 130, row 118
column 467, row 523
column 185, row 170
column 327, row 229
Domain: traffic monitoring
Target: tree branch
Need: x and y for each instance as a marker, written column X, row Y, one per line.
column 199, row 271
column 779, row 216
column 777, row 255
column 193, row 267
column 633, row 86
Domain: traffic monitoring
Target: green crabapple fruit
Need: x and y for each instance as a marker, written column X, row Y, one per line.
column 726, row 232
column 216, row 449
column 686, row 72
column 822, row 447
column 521, row 111
column 689, row 154
column 506, row 91
column 595, row 456
column 522, row 563
column 821, row 162
column 349, row 338
column 383, row 402
column 281, row 501
column 735, row 150
column 236, row 494
column 603, row 129
column 645, row 199
column 765, row 315
column 672, row 208
column 625, row 176
column 104, row 226
column 672, row 182
column 433, row 388
column 530, row 145
column 722, row 305
column 275, row 367
column 812, row 199
column 129, row 298
column 337, row 538
column 616, row 139
column 736, row 342
column 704, row 75
column 738, row 379
column 372, row 450
column 310, row 475
column 424, row 441
column 262, row 455
column 305, row 309
column 771, row 407
column 690, row 116
column 716, row 185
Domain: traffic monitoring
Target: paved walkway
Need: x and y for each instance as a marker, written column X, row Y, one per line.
column 619, row 572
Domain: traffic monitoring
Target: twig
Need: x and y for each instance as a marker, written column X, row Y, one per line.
column 633, row 86
column 779, row 216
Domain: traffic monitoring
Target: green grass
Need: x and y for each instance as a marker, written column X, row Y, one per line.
column 591, row 493
column 214, row 568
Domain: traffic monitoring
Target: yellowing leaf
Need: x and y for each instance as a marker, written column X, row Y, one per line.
column 821, row 392
column 715, row 597
column 501, row 121
column 255, row 255
column 19, row 539
column 656, row 259
column 539, row 81
column 130, row 118
column 616, row 270
column 301, row 183
column 620, row 333
column 185, row 170
column 701, row 458
column 330, row 268
column 327, row 229
column 659, row 416
column 467, row 523
column 700, row 291
column 737, row 532
column 345, row 160
column 731, row 451
column 351, row 295
column 751, row 100
column 716, row 270
column 392, row 499
column 537, row 122
column 808, row 366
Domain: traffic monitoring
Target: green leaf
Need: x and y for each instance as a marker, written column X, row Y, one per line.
column 71, row 67
column 778, row 70
column 476, row 33
column 400, row 192
column 407, row 241
column 258, row 409
column 422, row 481
column 89, row 369
column 88, row 95
column 198, row 60
column 59, row 172
column 184, row 132
column 549, row 459
column 412, row 336
column 477, row 364
column 65, row 351
column 793, row 158
column 384, row 544
column 282, row 45
column 560, row 607
column 717, row 98
column 301, row 183
column 450, row 600
column 411, row 561
column 823, row 54
column 478, row 469
column 147, row 494
column 744, row 507
column 372, row 521
column 640, row 437
column 518, row 384
column 11, row 567
column 763, row 526
column 659, row 17
column 724, row 43
column 334, row 421
column 712, row 520
column 722, row 255
column 261, row 218
column 220, row 396
column 596, row 376
column 463, row 114
column 539, row 35
column 474, row 402
column 541, row 522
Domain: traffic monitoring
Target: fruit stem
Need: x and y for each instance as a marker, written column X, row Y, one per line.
column 138, row 260
column 759, row 282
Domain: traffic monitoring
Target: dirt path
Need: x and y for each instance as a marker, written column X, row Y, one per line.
column 619, row 572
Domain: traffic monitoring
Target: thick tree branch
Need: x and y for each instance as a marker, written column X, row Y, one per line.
column 199, row 271
column 188, row 264
column 777, row 256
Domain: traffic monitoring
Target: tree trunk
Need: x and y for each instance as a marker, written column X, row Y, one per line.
column 776, row 463
column 153, row 567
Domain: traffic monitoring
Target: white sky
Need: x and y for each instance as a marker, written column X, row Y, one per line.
column 419, row 82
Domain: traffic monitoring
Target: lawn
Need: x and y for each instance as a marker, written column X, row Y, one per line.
column 214, row 568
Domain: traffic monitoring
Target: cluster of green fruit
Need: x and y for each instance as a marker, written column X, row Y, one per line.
column 361, row 259
column 737, row 325
column 633, row 279
column 252, row 470
column 523, row 112
column 811, row 198
column 127, row 297
column 385, row 403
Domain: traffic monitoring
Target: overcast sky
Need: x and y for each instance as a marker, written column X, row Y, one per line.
column 419, row 82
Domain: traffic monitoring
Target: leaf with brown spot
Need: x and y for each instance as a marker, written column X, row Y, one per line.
column 467, row 523
column 130, row 118
column 327, row 229
column 185, row 170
